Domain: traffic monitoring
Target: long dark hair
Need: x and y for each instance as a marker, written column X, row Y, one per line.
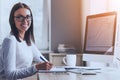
column 29, row 35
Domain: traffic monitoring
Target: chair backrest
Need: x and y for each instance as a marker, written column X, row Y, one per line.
column 98, row 60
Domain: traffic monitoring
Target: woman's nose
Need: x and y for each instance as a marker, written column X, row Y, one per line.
column 25, row 20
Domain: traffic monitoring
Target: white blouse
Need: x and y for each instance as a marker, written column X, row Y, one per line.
column 16, row 59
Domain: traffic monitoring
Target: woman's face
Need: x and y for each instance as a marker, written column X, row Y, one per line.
column 22, row 19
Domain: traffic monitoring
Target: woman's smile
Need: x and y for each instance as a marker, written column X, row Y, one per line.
column 22, row 19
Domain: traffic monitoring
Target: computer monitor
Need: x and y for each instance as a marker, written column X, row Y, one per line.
column 100, row 33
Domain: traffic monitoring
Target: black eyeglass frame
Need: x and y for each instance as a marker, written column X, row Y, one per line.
column 21, row 18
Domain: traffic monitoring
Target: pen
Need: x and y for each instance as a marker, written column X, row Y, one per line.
column 43, row 59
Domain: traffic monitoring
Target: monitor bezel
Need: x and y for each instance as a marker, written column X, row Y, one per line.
column 114, row 31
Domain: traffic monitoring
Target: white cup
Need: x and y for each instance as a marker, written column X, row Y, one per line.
column 70, row 60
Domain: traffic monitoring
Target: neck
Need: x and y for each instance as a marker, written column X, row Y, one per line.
column 21, row 35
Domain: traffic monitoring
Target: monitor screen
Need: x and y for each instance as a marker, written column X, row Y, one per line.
column 100, row 33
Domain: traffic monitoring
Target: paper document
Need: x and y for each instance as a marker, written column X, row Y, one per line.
column 54, row 69
column 91, row 68
column 83, row 71
column 86, row 70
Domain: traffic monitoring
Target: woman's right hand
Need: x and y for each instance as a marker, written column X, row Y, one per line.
column 44, row 66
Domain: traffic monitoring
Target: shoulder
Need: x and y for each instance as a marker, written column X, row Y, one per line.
column 33, row 45
column 9, row 39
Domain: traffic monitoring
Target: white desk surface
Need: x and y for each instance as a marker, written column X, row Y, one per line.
column 105, row 74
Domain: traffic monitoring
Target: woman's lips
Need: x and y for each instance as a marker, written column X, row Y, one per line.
column 24, row 27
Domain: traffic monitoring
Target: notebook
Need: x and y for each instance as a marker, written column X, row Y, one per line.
column 53, row 70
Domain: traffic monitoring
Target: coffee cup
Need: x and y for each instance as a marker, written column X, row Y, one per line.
column 69, row 60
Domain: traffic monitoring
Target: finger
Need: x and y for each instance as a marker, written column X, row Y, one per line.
column 49, row 66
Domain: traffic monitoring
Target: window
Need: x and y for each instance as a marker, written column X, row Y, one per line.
column 40, row 10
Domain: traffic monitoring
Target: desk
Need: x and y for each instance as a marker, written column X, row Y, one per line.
column 106, row 74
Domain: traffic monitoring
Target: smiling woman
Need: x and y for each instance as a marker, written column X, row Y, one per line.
column 40, row 15
column 18, row 49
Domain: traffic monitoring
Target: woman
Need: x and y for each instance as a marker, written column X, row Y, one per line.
column 18, row 49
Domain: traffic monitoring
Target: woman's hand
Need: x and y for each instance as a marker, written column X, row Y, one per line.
column 44, row 66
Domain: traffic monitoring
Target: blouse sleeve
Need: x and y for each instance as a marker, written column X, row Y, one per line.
column 9, row 58
column 37, row 54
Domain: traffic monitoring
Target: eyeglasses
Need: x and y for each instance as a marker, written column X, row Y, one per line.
column 21, row 18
